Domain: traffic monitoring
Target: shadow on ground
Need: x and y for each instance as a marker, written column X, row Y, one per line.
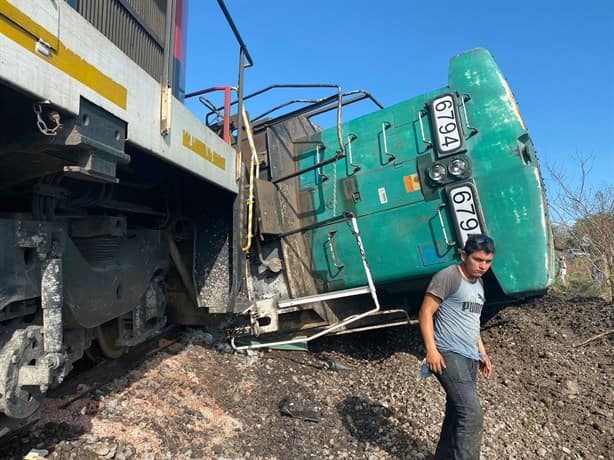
column 376, row 424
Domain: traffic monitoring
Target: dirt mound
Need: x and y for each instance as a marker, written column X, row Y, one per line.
column 358, row 397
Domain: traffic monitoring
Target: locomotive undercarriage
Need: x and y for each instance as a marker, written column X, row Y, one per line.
column 85, row 237
column 61, row 292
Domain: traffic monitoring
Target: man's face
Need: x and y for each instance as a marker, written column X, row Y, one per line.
column 476, row 263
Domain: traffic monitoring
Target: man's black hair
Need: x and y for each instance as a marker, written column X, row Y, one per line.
column 479, row 243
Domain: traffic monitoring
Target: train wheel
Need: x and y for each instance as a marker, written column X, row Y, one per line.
column 106, row 338
column 20, row 357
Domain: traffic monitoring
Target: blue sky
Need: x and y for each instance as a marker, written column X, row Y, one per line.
column 558, row 57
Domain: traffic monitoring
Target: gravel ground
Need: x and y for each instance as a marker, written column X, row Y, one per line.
column 359, row 396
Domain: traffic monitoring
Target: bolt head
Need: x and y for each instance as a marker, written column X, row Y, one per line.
column 53, row 361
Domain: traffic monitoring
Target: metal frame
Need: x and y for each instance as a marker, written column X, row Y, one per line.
column 349, row 292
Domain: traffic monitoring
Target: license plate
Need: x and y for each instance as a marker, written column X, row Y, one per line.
column 466, row 212
column 446, row 125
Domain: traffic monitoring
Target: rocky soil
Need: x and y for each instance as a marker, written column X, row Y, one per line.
column 356, row 397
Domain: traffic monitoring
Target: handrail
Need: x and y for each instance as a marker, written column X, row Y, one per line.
column 243, row 54
column 286, row 104
column 385, row 126
column 338, row 156
column 311, row 109
column 339, row 98
column 443, row 227
column 352, row 137
column 235, row 31
column 315, row 104
column 363, row 95
column 254, row 174
column 226, row 89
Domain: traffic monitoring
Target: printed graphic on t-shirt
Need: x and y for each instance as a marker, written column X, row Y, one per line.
column 474, row 307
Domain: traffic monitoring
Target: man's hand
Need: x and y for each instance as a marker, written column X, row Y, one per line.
column 485, row 366
column 435, row 362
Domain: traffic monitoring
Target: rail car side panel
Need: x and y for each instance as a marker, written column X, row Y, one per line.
column 409, row 227
column 81, row 62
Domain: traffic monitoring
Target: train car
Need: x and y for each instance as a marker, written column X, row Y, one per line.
column 106, row 179
column 121, row 211
column 364, row 213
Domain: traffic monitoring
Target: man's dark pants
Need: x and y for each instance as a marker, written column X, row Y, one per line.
column 461, row 433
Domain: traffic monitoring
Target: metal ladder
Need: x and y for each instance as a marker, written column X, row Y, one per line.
column 369, row 288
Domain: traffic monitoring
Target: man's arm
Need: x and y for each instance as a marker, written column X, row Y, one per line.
column 485, row 364
column 434, row 360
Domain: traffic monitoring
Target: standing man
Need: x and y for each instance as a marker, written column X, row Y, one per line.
column 562, row 270
column 450, row 326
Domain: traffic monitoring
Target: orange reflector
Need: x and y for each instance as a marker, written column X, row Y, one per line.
column 412, row 183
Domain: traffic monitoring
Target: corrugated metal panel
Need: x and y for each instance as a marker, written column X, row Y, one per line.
column 134, row 26
column 152, row 12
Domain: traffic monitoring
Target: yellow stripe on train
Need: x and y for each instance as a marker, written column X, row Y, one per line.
column 199, row 147
column 16, row 26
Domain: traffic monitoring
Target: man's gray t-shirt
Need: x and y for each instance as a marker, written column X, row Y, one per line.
column 457, row 321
